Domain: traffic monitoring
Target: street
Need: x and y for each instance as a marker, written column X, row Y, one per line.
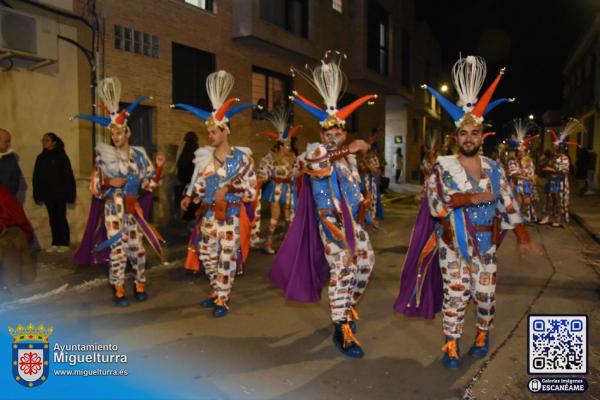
column 267, row 348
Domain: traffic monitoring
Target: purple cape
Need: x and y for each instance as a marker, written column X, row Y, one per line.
column 95, row 232
column 300, row 267
column 430, row 281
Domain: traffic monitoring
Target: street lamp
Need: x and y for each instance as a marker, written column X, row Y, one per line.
column 444, row 88
column 531, row 116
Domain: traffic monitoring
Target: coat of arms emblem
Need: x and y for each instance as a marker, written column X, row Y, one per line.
column 30, row 354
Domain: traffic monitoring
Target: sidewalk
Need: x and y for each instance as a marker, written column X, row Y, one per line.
column 56, row 271
column 585, row 210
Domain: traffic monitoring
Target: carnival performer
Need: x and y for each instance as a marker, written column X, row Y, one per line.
column 558, row 187
column 224, row 184
column 327, row 240
column 369, row 168
column 121, row 174
column 274, row 173
column 452, row 253
column 521, row 169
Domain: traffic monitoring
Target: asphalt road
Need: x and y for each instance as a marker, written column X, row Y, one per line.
column 271, row 349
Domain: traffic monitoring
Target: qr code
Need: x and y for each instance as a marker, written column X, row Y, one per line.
column 557, row 344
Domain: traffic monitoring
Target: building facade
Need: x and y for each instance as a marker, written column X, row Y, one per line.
column 581, row 94
column 166, row 48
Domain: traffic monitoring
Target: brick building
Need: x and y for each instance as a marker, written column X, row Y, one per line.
column 581, row 93
column 165, row 49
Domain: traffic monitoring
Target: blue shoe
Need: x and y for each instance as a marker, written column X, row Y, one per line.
column 345, row 341
column 451, row 354
column 482, row 344
column 139, row 294
column 220, row 309
column 209, row 302
column 119, row 296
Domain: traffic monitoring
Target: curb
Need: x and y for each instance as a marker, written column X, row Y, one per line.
column 581, row 222
column 400, row 197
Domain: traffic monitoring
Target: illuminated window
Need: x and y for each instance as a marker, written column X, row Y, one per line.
column 203, row 4
column 337, row 5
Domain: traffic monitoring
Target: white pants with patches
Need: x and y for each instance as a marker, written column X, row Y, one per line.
column 129, row 247
column 463, row 282
column 348, row 273
column 218, row 252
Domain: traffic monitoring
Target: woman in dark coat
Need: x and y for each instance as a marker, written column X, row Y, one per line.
column 185, row 170
column 54, row 185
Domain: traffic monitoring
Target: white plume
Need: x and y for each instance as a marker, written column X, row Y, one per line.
column 468, row 75
column 327, row 78
column 109, row 90
column 572, row 127
column 218, row 87
column 279, row 118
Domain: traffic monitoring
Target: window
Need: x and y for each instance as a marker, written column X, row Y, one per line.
column 147, row 44
column 352, row 120
column 137, row 42
column 269, row 90
column 128, row 39
column 118, row 37
column 406, row 43
column 203, row 4
column 378, row 38
column 155, row 46
column 190, row 69
column 337, row 5
column 291, row 15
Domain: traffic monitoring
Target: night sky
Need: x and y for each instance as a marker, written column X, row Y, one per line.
column 532, row 38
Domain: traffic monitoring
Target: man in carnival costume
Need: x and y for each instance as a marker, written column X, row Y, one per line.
column 326, row 237
column 558, row 187
column 121, row 173
column 369, row 168
column 223, row 183
column 521, row 168
column 452, row 253
column 274, row 173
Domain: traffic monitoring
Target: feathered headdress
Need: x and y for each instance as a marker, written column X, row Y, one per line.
column 218, row 87
column 571, row 127
column 487, row 135
column 468, row 75
column 109, row 91
column 330, row 82
column 525, row 132
column 283, row 131
column 430, row 144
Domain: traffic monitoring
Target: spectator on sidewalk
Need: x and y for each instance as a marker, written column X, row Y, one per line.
column 581, row 169
column 10, row 173
column 16, row 236
column 185, row 170
column 54, row 185
column 399, row 162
